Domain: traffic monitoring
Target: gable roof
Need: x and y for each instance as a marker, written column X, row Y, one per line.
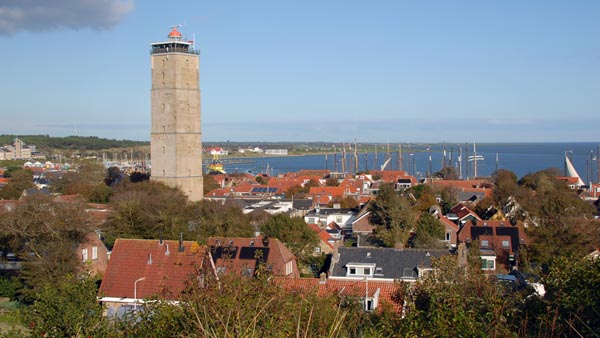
column 495, row 232
column 241, row 256
column 324, row 236
column 165, row 268
column 462, row 212
column 394, row 264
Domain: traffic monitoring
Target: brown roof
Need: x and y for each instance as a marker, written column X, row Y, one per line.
column 462, row 211
column 241, row 256
column 166, row 272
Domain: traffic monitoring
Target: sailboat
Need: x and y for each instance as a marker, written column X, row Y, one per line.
column 571, row 172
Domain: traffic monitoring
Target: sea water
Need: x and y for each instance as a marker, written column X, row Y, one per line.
column 520, row 158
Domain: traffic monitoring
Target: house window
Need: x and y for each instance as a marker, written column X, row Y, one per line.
column 447, row 236
column 379, row 271
column 338, row 219
column 311, row 220
column 369, row 304
column 288, row 268
column 488, row 264
column 84, row 255
column 317, row 249
column 352, row 271
column 247, row 272
column 485, row 243
column 367, row 272
column 221, row 270
column 505, row 244
column 94, row 252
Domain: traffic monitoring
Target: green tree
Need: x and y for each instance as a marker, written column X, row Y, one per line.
column 242, row 307
column 449, row 199
column 562, row 218
column 458, row 300
column 573, row 297
column 44, row 234
column 19, row 180
column 505, row 185
column 85, row 181
column 346, row 202
column 223, row 220
column 447, row 173
column 149, row 209
column 429, row 232
column 294, row 191
column 332, row 182
column 67, row 308
column 209, row 184
column 293, row 232
column 393, row 216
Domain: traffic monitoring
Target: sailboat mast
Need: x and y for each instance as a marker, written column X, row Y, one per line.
column 474, row 161
column 355, row 157
column 460, row 174
column 467, row 161
column 497, row 161
column 430, row 167
column 598, row 164
column 400, row 159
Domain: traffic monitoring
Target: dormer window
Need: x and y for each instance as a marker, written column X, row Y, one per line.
column 360, row 269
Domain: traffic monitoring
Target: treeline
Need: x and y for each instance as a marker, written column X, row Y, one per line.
column 72, row 142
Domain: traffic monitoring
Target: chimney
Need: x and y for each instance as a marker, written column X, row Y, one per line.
column 149, row 259
column 181, row 242
column 167, row 252
column 323, row 278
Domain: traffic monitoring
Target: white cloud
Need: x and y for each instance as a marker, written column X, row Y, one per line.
column 35, row 15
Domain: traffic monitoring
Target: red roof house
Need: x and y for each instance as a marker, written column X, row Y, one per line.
column 242, row 256
column 143, row 268
column 377, row 292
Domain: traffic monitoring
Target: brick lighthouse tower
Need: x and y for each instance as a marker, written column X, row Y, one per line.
column 176, row 134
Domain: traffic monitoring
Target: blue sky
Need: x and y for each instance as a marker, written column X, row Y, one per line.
column 377, row 71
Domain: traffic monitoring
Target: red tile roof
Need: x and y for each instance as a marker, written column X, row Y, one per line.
column 349, row 288
column 166, row 274
column 323, row 234
column 69, row 198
